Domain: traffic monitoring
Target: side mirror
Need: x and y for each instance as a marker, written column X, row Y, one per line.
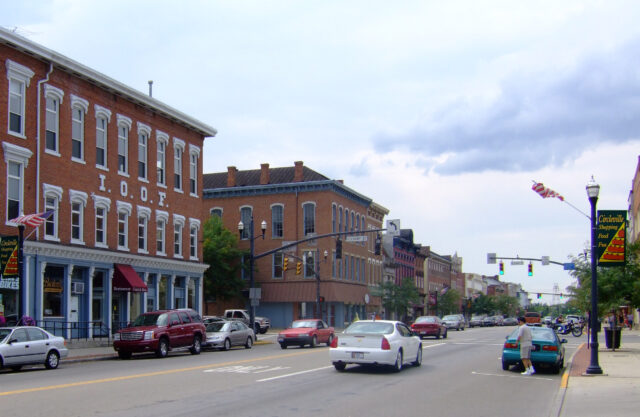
column 12, row 341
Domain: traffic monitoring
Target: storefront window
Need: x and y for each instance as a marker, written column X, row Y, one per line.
column 53, row 291
column 162, row 293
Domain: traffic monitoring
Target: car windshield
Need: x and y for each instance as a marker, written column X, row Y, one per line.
column 369, row 327
column 218, row 326
column 303, row 323
column 4, row 333
column 477, row 317
column 541, row 334
column 450, row 318
column 150, row 320
column 426, row 320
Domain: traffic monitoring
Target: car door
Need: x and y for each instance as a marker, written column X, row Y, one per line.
column 16, row 351
column 187, row 328
column 323, row 332
column 236, row 334
column 38, row 344
column 408, row 342
column 175, row 330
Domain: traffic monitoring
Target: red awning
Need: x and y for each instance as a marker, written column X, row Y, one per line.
column 126, row 279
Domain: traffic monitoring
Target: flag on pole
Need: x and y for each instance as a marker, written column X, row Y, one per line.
column 33, row 220
column 545, row 192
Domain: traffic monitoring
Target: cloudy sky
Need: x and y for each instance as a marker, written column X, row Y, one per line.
column 443, row 112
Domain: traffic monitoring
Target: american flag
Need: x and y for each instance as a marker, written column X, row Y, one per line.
column 33, row 220
column 545, row 192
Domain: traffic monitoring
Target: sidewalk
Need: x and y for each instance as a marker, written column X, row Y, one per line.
column 614, row 393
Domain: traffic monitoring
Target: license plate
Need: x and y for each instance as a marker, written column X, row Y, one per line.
column 357, row 355
column 535, row 348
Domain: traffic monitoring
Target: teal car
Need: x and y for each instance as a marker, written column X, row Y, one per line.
column 547, row 351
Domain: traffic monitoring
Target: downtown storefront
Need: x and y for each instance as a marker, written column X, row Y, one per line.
column 78, row 292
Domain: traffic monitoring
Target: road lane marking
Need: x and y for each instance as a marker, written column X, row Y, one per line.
column 294, row 374
column 148, row 374
column 429, row 346
column 248, row 369
column 511, row 376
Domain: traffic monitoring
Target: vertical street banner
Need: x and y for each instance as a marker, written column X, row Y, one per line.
column 8, row 257
column 611, row 242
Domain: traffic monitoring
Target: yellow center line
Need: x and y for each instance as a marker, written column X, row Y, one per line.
column 149, row 374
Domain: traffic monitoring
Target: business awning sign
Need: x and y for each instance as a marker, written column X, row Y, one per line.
column 611, row 242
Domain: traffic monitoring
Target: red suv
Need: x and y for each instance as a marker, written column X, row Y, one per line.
column 161, row 331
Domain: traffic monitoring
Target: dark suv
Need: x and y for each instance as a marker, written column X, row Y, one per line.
column 161, row 331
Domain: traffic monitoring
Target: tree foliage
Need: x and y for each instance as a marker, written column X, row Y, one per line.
column 448, row 303
column 220, row 251
column 495, row 304
column 617, row 286
column 397, row 298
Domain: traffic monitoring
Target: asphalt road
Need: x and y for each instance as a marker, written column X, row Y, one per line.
column 460, row 376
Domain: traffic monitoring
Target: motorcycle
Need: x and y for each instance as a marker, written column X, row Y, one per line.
column 574, row 328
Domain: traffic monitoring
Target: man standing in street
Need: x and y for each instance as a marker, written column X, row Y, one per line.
column 525, row 341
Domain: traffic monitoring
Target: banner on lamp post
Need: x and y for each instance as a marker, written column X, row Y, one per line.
column 611, row 242
column 8, row 256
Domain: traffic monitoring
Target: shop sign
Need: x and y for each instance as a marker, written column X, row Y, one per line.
column 8, row 256
column 52, row 285
column 9, row 284
column 611, row 242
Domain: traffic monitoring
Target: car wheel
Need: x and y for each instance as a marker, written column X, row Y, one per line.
column 445, row 334
column 505, row 365
column 330, row 340
column 283, row 346
column 16, row 368
column 397, row 367
column 263, row 331
column 227, row 344
column 418, row 360
column 249, row 343
column 314, row 342
column 124, row 354
column 197, row 345
column 52, row 360
column 163, row 348
column 339, row 366
column 438, row 335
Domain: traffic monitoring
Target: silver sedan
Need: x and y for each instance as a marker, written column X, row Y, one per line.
column 225, row 334
column 376, row 342
column 28, row 345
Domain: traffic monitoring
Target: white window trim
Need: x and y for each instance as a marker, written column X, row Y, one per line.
column 164, row 138
column 123, row 207
column 178, row 220
column 78, row 197
column 143, row 129
column 105, row 203
column 194, row 223
column 82, row 104
column 164, row 217
column 103, row 112
column 126, row 122
column 21, row 74
column 216, row 208
column 20, row 156
column 194, row 151
column 54, row 93
column 143, row 213
column 49, row 190
column 178, row 144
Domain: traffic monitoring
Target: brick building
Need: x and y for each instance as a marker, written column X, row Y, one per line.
column 298, row 203
column 122, row 173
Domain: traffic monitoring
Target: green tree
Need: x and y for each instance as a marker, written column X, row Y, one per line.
column 397, row 298
column 506, row 304
column 220, row 251
column 483, row 304
column 448, row 303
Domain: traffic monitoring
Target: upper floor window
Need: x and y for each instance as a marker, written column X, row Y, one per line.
column 124, row 126
column 79, row 108
column 245, row 218
column 340, row 220
column 277, row 221
column 333, row 218
column 162, row 218
column 194, row 227
column 178, row 150
column 19, row 78
column 102, row 205
column 216, row 211
column 53, row 97
column 52, row 196
column 144, row 214
column 346, row 220
column 278, row 260
column 310, row 264
column 161, row 157
column 144, row 132
column 194, row 154
column 78, row 200
column 16, row 158
column 124, row 212
column 178, row 226
column 309, row 218
column 103, row 116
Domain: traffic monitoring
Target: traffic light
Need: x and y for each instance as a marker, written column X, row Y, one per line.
column 321, row 299
column 338, row 249
column 501, row 268
column 539, row 295
column 378, row 244
column 285, row 263
column 298, row 268
column 530, row 269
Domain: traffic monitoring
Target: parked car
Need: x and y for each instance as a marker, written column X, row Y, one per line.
column 510, row 321
column 476, row 320
column 454, row 321
column 227, row 333
column 574, row 319
column 376, row 342
column 161, row 331
column 547, row 349
column 489, row 321
column 260, row 324
column 547, row 320
column 28, row 345
column 429, row 326
column 306, row 332
column 211, row 319
column 498, row 320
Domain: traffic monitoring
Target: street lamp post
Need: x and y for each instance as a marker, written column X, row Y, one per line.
column 318, row 285
column 593, row 189
column 252, row 292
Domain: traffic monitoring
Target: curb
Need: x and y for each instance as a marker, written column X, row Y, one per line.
column 558, row 402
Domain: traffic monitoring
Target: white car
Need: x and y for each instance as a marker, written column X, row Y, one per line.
column 376, row 342
column 225, row 334
column 454, row 321
column 27, row 345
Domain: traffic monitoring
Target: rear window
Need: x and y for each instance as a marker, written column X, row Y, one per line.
column 369, row 327
column 532, row 314
column 426, row 320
